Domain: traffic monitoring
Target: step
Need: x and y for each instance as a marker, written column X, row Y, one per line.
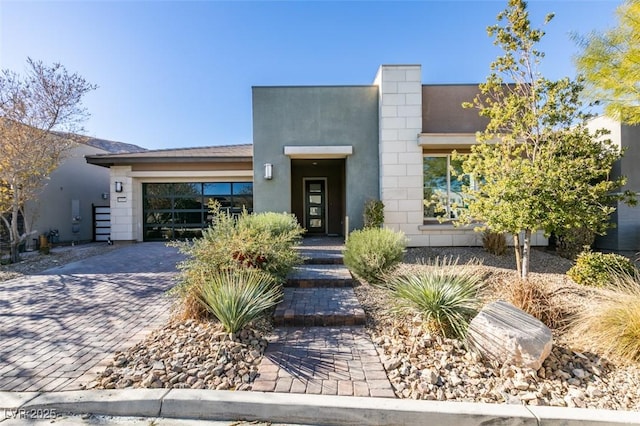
column 321, row 255
column 314, row 307
column 322, row 250
column 312, row 275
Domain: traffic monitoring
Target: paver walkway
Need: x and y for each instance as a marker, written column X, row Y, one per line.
column 321, row 347
column 57, row 326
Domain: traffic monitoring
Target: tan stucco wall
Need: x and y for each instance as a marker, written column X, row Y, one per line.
column 181, row 166
column 74, row 179
column 442, row 110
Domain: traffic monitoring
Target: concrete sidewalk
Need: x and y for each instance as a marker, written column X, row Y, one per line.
column 57, row 326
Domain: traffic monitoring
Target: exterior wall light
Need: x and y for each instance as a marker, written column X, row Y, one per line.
column 118, row 186
column 268, row 171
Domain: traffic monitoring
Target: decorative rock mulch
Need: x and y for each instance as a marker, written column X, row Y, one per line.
column 187, row 355
column 422, row 366
column 35, row 262
column 428, row 367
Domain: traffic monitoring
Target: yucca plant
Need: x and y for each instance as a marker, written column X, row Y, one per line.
column 238, row 296
column 444, row 295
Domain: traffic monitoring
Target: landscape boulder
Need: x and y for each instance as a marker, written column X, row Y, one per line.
column 506, row 334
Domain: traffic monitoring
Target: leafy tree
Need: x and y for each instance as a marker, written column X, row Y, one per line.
column 610, row 62
column 537, row 165
column 40, row 113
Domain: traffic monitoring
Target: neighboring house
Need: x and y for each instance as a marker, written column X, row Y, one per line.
column 626, row 219
column 65, row 204
column 319, row 152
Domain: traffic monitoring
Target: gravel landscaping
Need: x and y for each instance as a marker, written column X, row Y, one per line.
column 421, row 365
column 187, row 355
column 34, row 262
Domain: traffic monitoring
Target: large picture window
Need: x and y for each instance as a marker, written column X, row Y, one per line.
column 443, row 197
column 180, row 210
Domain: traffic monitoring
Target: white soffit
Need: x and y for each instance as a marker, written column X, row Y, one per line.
column 318, row 152
column 436, row 139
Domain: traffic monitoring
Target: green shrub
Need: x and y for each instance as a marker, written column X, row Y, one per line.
column 370, row 253
column 444, row 295
column 237, row 297
column 275, row 224
column 599, row 269
column 373, row 214
column 611, row 323
column 264, row 241
column 494, row 242
column 574, row 241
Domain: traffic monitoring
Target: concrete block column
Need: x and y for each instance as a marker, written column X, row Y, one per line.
column 123, row 211
column 400, row 123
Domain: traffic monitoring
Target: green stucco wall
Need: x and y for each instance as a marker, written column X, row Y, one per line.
column 315, row 116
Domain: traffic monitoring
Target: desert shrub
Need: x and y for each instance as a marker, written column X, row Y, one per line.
column 612, row 323
column 373, row 214
column 275, row 224
column 536, row 299
column 574, row 241
column 372, row 252
column 445, row 295
column 598, row 269
column 494, row 242
column 238, row 297
column 264, row 241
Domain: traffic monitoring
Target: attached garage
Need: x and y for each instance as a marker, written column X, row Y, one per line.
column 164, row 194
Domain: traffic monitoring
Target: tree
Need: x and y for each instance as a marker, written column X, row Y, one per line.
column 537, row 166
column 610, row 62
column 40, row 116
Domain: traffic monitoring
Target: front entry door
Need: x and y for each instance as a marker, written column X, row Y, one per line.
column 315, row 206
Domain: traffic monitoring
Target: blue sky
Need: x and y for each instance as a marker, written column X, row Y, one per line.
column 179, row 73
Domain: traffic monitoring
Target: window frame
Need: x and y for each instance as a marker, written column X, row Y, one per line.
column 447, row 216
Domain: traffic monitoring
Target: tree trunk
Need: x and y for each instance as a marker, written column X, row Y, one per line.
column 516, row 247
column 526, row 253
column 14, row 235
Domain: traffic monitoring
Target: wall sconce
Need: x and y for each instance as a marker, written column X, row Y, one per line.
column 268, row 171
column 118, row 186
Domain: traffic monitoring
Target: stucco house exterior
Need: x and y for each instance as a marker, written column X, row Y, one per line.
column 319, row 152
column 625, row 235
column 65, row 202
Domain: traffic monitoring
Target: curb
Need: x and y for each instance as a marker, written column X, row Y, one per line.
column 301, row 408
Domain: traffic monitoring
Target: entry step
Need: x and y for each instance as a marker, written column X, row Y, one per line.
column 314, row 307
column 310, row 275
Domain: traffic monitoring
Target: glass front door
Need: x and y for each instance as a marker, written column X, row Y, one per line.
column 315, row 206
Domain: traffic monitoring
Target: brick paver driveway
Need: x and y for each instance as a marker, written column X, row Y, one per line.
column 55, row 327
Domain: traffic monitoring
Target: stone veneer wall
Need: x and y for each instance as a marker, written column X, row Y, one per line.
column 401, row 162
column 400, row 112
column 124, row 211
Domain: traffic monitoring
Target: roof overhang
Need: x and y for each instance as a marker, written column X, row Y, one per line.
column 318, row 152
column 108, row 161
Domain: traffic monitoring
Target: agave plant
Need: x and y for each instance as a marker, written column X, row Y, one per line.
column 444, row 294
column 238, row 296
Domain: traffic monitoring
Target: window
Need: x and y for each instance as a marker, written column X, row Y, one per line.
column 443, row 197
column 180, row 210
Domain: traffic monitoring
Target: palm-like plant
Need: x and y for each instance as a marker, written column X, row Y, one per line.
column 444, row 295
column 238, row 296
